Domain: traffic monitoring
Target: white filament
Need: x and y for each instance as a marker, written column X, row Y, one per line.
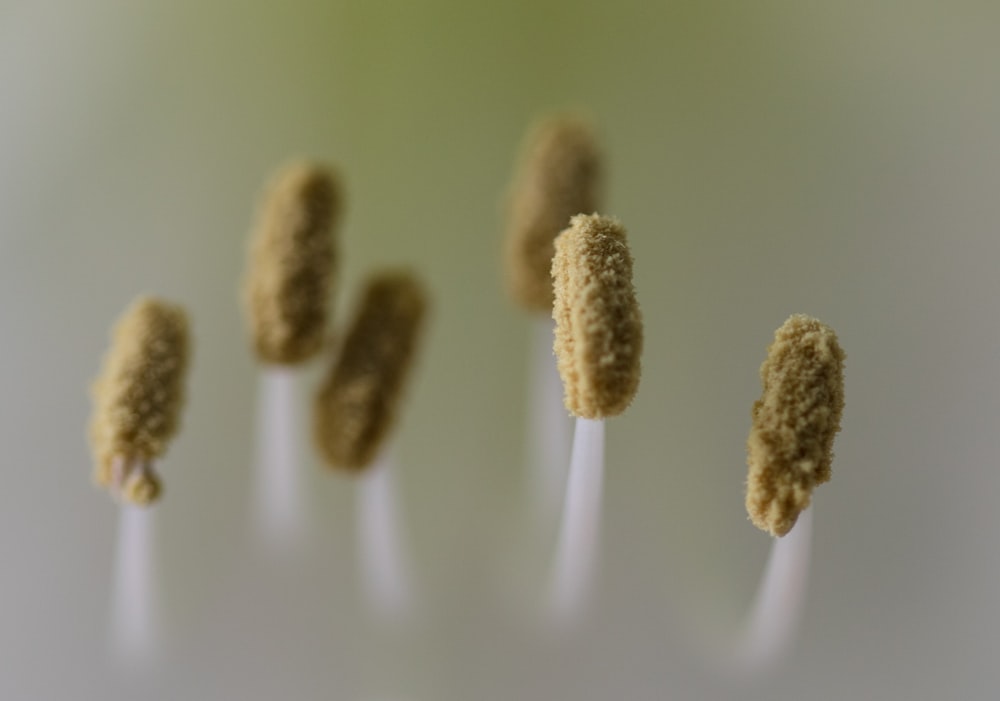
column 548, row 428
column 277, row 487
column 576, row 549
column 774, row 618
column 385, row 577
column 135, row 603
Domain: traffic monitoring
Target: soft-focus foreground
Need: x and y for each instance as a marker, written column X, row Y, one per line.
column 771, row 158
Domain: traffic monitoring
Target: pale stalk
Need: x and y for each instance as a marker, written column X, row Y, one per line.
column 385, row 577
column 278, row 475
column 777, row 608
column 574, row 567
column 135, row 598
column 548, row 427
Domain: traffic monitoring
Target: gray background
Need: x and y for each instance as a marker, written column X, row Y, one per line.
column 839, row 159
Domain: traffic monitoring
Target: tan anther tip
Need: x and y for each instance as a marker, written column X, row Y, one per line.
column 358, row 402
column 559, row 176
column 138, row 397
column 141, row 487
column 292, row 263
column 790, row 447
column 598, row 338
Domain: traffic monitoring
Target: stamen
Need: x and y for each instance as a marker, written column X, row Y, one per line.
column 354, row 412
column 789, row 453
column 287, row 296
column 558, row 176
column 137, row 404
column 598, row 343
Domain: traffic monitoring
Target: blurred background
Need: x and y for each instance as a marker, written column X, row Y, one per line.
column 838, row 159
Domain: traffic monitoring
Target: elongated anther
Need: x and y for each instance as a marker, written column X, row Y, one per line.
column 358, row 402
column 790, row 447
column 598, row 337
column 138, row 398
column 559, row 176
column 292, row 264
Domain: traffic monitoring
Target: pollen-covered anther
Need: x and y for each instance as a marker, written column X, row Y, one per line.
column 138, row 398
column 598, row 336
column 358, row 402
column 292, row 263
column 790, row 448
column 559, row 176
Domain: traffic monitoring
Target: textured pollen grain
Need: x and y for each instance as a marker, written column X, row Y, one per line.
column 598, row 338
column 559, row 176
column 790, row 447
column 139, row 395
column 142, row 487
column 292, row 263
column 357, row 404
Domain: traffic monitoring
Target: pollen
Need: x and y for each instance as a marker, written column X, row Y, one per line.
column 358, row 402
column 790, row 448
column 598, row 336
column 292, row 263
column 138, row 398
column 559, row 176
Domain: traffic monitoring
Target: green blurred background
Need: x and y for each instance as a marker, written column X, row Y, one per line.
column 839, row 159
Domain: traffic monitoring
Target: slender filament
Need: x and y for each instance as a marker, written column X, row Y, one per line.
column 549, row 429
column 277, row 489
column 135, row 596
column 774, row 618
column 576, row 549
column 386, row 580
